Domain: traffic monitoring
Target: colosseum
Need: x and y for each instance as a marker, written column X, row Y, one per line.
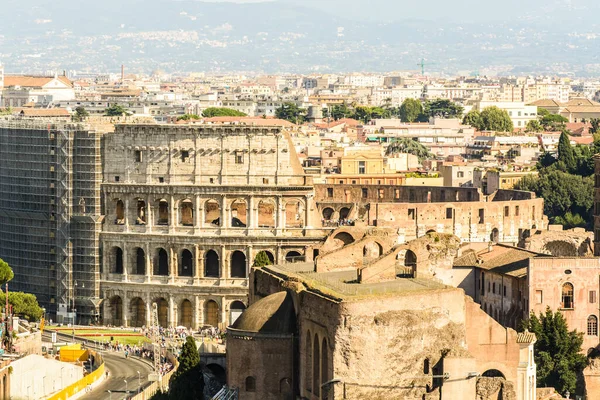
column 188, row 207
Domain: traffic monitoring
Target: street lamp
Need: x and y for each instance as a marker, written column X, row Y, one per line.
column 126, row 391
column 139, row 382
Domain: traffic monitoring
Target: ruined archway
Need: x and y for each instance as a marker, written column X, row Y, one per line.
column 161, row 265
column 294, row 217
column 293, row 256
column 163, row 213
column 211, row 264
column 118, row 255
column 137, row 312
column 266, row 214
column 344, row 212
column 372, row 250
column 212, row 213
column 186, row 212
column 186, row 313
column 120, row 212
column 140, row 218
column 342, row 239
column 239, row 213
column 163, row 312
column 140, row 262
column 238, row 264
column 116, row 310
column 211, row 316
column 186, row 266
column 327, row 213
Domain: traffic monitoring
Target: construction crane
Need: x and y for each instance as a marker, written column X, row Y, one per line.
column 422, row 65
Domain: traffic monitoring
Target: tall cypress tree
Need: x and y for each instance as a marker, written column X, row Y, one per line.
column 187, row 383
column 565, row 153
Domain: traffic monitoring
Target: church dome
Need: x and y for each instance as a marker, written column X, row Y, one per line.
column 272, row 314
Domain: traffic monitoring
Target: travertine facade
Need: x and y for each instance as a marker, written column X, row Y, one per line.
column 187, row 210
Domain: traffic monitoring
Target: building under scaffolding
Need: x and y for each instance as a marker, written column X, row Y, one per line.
column 50, row 213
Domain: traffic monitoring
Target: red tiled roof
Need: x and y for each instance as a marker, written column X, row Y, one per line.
column 33, row 81
column 259, row 121
column 44, row 112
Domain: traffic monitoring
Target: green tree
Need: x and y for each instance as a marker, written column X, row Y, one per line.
column 443, row 108
column 410, row 110
column 24, row 305
column 570, row 220
column 551, row 122
column 534, row 126
column 261, row 260
column 565, row 153
column 473, row 118
column 291, row 112
column 340, row 111
column 6, row 272
column 6, row 111
column 188, row 117
column 80, row 114
column 222, row 112
column 558, row 353
column 116, row 110
column 187, row 383
column 595, row 125
column 410, row 146
column 495, row 119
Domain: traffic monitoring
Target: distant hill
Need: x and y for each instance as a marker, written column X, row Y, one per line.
column 280, row 36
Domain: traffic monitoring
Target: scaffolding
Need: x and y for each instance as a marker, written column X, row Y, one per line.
column 50, row 213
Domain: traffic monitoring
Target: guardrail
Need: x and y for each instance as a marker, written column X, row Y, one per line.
column 80, row 385
column 154, row 387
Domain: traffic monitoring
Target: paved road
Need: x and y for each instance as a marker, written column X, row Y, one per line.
column 120, row 369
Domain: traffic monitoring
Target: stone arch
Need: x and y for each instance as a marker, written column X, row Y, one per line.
column 316, row 367
column 238, row 264
column 592, row 325
column 493, row 373
column 141, row 212
column 327, row 213
column 219, row 373
column 162, row 308
column 186, row 212
column 430, row 231
column 119, row 212
column 138, row 312
column 266, row 214
column 118, row 255
column 211, row 264
column 239, row 213
column 293, row 256
column 294, row 214
column 186, row 266
column 186, row 313
column 250, row 384
column 212, row 212
column 211, row 310
column 324, row 362
column 372, row 250
column 495, row 235
column 116, row 310
column 163, row 212
column 140, row 261
column 161, row 265
column 406, row 264
column 344, row 212
column 342, row 239
column 560, row 248
column 235, row 310
column 309, row 362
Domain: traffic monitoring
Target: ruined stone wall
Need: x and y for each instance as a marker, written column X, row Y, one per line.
column 209, row 155
column 570, row 243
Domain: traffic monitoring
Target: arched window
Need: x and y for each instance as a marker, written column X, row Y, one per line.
column 211, row 264
column 118, row 260
column 187, row 264
column 324, row 364
column 120, row 213
column 163, row 213
column 308, row 353
column 140, row 262
column 250, row 384
column 187, row 213
column 238, row 265
column 162, row 266
column 592, row 325
column 567, row 295
column 266, row 214
column 212, row 313
column 141, row 213
column 316, row 367
column 327, row 213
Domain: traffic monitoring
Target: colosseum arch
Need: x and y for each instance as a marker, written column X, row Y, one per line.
column 186, row 266
column 137, row 312
column 162, row 307
column 186, row 212
column 294, row 214
column 211, row 313
column 161, row 265
column 212, row 213
column 342, row 239
column 140, row 262
column 238, row 264
column 372, row 250
column 118, row 260
column 162, row 217
column 120, row 212
column 186, row 313
column 116, row 310
column 141, row 211
column 239, row 213
column 266, row 214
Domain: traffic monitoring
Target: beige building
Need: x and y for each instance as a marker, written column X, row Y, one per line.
column 19, row 90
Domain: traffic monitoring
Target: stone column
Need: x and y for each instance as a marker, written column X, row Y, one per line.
column 149, row 266
column 199, row 271
column 308, row 222
column 224, row 309
column 125, row 263
column 105, row 262
column 201, row 216
column 172, row 264
column 149, row 220
column 280, row 215
column 198, row 312
column 225, row 213
column 172, row 215
column 148, row 310
column 250, row 214
column 172, row 312
column 126, row 214
column 224, row 264
column 197, row 214
column 249, row 260
column 125, row 309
